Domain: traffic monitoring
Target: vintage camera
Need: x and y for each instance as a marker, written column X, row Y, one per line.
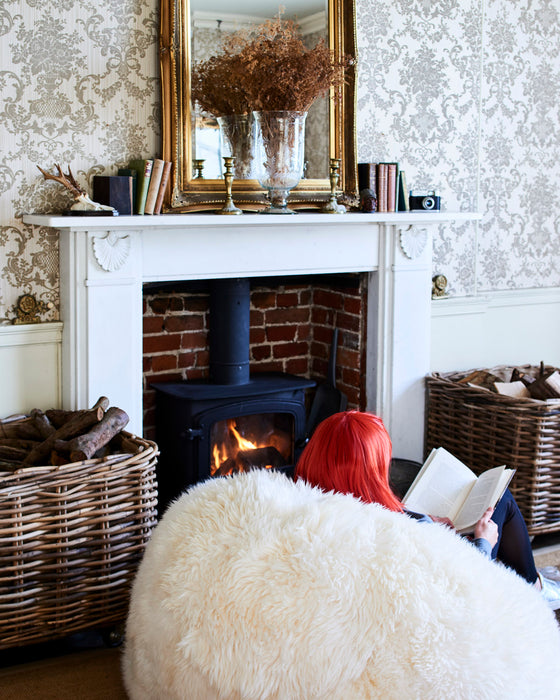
column 427, row 201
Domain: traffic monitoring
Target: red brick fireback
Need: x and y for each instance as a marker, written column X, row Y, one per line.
column 291, row 331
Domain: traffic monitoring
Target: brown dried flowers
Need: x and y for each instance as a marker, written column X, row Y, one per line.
column 266, row 69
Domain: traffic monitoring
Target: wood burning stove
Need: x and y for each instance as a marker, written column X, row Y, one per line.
column 234, row 421
column 208, row 430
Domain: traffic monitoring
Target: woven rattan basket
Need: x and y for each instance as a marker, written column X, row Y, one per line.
column 71, row 538
column 484, row 430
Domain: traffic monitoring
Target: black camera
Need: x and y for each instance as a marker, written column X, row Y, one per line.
column 426, row 201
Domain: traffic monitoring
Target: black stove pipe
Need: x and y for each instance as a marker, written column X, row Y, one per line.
column 229, row 331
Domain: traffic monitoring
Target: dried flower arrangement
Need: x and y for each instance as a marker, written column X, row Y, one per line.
column 218, row 85
column 266, row 69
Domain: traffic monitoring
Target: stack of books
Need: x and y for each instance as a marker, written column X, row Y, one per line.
column 137, row 189
column 388, row 182
column 150, row 179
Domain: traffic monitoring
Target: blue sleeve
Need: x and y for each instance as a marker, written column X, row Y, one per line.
column 484, row 546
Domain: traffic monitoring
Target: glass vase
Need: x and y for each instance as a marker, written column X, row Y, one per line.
column 279, row 149
column 238, row 138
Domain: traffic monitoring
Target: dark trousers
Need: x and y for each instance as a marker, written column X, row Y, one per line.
column 514, row 546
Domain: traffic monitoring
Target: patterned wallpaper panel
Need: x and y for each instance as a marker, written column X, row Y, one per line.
column 463, row 93
column 78, row 86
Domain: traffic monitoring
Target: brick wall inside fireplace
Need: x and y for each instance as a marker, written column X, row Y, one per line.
column 291, row 330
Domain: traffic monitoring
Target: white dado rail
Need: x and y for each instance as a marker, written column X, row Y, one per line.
column 105, row 260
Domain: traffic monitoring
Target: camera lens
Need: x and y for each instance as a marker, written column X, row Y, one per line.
column 428, row 203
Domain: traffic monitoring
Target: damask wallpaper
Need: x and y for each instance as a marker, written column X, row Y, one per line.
column 463, row 93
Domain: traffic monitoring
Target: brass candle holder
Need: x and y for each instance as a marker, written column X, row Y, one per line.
column 198, row 164
column 332, row 206
column 229, row 207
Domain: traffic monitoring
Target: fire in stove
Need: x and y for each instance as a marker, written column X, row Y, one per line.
column 258, row 441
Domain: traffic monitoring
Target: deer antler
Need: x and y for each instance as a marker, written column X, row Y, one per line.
column 67, row 181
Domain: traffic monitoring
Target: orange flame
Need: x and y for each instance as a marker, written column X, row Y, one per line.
column 229, row 448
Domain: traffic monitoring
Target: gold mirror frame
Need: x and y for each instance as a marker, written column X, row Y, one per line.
column 189, row 194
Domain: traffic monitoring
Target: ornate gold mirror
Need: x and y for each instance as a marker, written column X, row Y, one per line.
column 191, row 30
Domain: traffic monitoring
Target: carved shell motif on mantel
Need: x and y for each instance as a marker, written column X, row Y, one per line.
column 111, row 251
column 413, row 240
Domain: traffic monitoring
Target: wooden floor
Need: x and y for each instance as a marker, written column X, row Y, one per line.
column 89, row 674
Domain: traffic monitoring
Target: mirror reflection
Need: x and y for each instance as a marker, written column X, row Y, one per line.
column 211, row 21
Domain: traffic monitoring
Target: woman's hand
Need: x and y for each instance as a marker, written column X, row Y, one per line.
column 442, row 521
column 487, row 528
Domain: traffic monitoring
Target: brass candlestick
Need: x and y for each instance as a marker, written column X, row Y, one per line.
column 332, row 206
column 198, row 165
column 229, row 207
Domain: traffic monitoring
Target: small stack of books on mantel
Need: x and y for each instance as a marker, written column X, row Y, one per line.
column 137, row 189
column 387, row 182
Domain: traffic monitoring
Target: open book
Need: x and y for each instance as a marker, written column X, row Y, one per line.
column 447, row 488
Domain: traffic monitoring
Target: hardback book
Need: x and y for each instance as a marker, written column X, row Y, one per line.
column 382, row 187
column 143, row 167
column 163, row 186
column 134, row 175
column 367, row 177
column 153, row 189
column 115, row 191
column 447, row 488
column 392, row 183
column 402, row 199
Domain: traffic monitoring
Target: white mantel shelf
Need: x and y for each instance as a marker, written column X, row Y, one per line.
column 104, row 261
column 248, row 219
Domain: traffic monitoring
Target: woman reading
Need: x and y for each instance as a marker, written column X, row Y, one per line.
column 350, row 453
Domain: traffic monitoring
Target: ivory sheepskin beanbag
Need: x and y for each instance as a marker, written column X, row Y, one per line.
column 254, row 587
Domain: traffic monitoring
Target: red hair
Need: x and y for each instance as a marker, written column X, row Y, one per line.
column 350, row 452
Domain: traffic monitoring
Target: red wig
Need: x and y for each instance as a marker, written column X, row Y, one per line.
column 350, row 452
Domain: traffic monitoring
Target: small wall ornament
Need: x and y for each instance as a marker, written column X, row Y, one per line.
column 28, row 309
column 439, row 287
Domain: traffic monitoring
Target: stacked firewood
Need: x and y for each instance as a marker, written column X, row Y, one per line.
column 56, row 437
column 543, row 385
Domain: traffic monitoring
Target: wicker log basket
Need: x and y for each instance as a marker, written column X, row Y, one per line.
column 71, row 538
column 484, row 429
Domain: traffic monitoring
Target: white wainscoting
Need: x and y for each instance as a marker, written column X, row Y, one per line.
column 30, row 367
column 500, row 328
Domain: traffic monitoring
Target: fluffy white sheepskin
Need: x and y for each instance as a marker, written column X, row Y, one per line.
column 256, row 588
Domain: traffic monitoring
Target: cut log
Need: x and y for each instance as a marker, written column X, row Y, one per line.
column 58, row 416
column 228, row 466
column 20, row 444
column 480, row 378
column 86, row 445
column 13, row 454
column 542, row 389
column 24, row 429
column 7, row 465
column 259, row 458
column 57, row 459
column 42, row 423
column 78, row 424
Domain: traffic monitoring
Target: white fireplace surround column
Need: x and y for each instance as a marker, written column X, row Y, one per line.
column 104, row 262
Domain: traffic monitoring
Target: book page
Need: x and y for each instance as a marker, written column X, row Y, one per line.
column 485, row 493
column 441, row 486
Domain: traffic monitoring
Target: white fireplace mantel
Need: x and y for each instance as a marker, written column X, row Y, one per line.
column 104, row 262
